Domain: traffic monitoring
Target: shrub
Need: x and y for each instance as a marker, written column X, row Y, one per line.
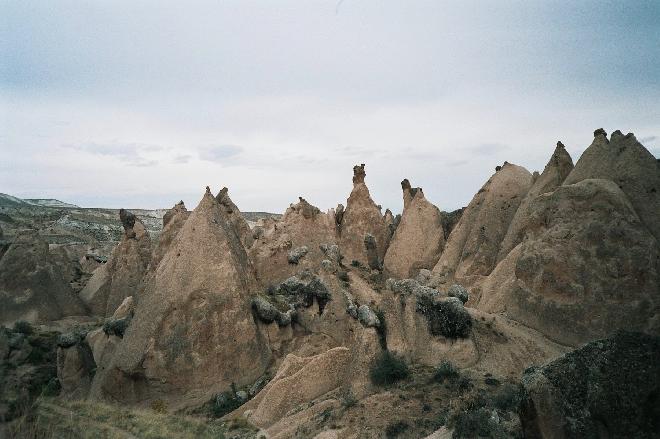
column 472, row 423
column 23, row 327
column 52, row 388
column 395, row 429
column 225, row 402
column 448, row 318
column 446, row 370
column 388, row 369
column 508, row 398
column 159, row 406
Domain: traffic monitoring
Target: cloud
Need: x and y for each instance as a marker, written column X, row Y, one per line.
column 130, row 154
column 487, row 148
column 181, row 159
column 220, row 154
column 648, row 139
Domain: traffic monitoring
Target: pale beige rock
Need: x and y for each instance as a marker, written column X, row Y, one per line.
column 124, row 310
column 75, row 368
column 173, row 220
column 418, row 240
column 554, row 174
column 301, row 225
column 586, row 267
column 361, row 217
column 472, row 248
column 299, row 380
column 32, row 286
column 631, row 166
column 234, row 216
column 193, row 333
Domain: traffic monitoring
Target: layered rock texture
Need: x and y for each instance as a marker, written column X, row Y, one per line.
column 123, row 274
column 193, row 332
column 419, row 237
column 32, row 286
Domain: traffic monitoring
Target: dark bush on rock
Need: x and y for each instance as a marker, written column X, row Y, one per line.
column 387, row 369
column 446, row 317
column 396, row 429
column 23, row 327
column 117, row 327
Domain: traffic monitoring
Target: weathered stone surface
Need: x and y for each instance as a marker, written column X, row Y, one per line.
column 32, row 286
column 554, row 174
column 586, row 267
column 631, row 167
column 472, row 248
column 75, row 369
column 607, row 388
column 193, row 333
column 124, row 273
column 235, row 218
column 173, row 220
column 419, row 238
column 362, row 217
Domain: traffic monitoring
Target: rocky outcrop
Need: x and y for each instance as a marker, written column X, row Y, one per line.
column 554, row 174
column 32, row 286
column 75, row 369
column 193, row 333
column 632, row 167
column 234, row 217
column 472, row 248
column 419, row 238
column 586, row 266
column 173, row 220
column 361, row 217
column 123, row 274
column 279, row 252
column 606, row 389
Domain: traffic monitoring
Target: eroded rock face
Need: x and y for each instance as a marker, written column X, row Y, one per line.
column 193, row 333
column 607, row 388
column 279, row 252
column 235, row 218
column 419, row 238
column 32, row 286
column 554, row 174
column 472, row 248
column 586, row 267
column 361, row 217
column 173, row 220
column 632, row 167
column 123, row 274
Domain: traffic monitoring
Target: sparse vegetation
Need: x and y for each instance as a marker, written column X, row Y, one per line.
column 395, row 429
column 388, row 369
column 223, row 403
column 23, row 327
column 159, row 406
column 445, row 371
column 445, row 317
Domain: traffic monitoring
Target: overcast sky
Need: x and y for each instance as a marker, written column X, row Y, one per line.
column 142, row 103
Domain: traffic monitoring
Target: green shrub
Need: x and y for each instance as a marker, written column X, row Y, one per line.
column 388, row 369
column 225, row 402
column 23, row 327
column 446, row 370
column 395, row 429
column 472, row 423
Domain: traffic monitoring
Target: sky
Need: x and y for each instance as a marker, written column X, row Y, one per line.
column 143, row 103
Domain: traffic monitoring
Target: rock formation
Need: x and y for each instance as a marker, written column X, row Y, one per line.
column 586, row 267
column 303, row 226
column 554, row 174
column 607, row 388
column 361, row 217
column 193, row 333
column 472, row 248
column 32, row 286
column 234, row 216
column 419, row 238
column 123, row 274
column 173, row 220
column 632, row 167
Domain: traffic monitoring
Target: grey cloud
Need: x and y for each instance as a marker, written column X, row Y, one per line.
column 488, row 148
column 647, row 139
column 221, row 153
column 127, row 153
column 181, row 159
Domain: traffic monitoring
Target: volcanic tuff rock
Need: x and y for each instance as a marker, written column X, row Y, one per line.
column 303, row 225
column 632, row 167
column 554, row 174
column 173, row 220
column 586, row 267
column 192, row 333
column 32, row 286
column 418, row 239
column 124, row 272
column 361, row 217
column 235, row 217
column 606, row 389
column 472, row 248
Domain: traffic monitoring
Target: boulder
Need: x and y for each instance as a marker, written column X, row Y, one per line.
column 32, row 286
column 192, row 333
column 554, row 174
column 419, row 238
column 361, row 217
column 473, row 246
column 630, row 166
column 606, row 389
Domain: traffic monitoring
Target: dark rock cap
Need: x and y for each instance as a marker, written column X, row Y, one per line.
column 600, row 131
column 127, row 219
column 358, row 174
